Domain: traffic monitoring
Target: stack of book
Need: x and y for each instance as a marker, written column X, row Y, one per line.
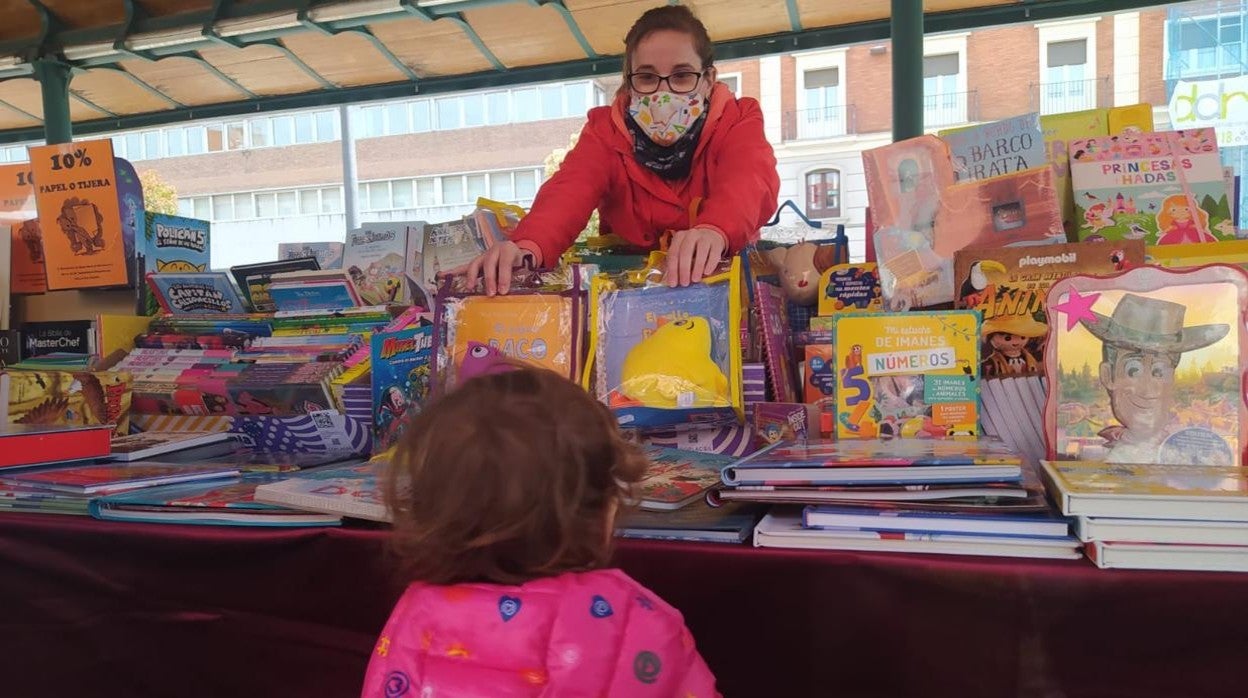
column 1173, row 517
column 973, row 497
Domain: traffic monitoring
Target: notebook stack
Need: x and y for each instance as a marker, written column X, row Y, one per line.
column 974, row 497
column 1167, row 517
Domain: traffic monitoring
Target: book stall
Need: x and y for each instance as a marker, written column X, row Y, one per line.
column 1024, row 415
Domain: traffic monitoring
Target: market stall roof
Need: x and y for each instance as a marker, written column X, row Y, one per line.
column 143, row 62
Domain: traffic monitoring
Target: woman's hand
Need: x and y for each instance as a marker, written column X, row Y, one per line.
column 495, row 265
column 693, row 254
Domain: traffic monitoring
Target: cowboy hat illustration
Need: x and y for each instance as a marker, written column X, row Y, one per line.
column 1019, row 325
column 1152, row 324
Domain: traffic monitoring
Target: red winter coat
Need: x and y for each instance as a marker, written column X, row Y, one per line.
column 733, row 173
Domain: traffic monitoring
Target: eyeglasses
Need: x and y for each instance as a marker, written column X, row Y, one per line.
column 681, row 82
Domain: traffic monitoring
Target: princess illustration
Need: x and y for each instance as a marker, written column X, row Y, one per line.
column 1176, row 224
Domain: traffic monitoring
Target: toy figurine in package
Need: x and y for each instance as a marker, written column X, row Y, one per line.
column 479, row 334
column 1147, row 367
column 666, row 356
column 913, row 375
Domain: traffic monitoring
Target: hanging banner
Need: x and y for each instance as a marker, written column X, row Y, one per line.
column 17, row 193
column 76, row 196
column 1218, row 104
column 17, row 211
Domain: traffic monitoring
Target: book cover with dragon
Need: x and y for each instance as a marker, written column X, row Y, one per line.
column 71, row 398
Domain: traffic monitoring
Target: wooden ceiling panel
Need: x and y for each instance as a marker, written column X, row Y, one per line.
column 76, row 14
column 605, row 22
column 951, row 5
column 20, row 20
column 345, row 59
column 432, row 48
column 164, row 8
column 23, row 93
column 11, row 119
column 114, row 91
column 264, row 70
column 521, row 35
column 737, row 19
column 184, row 79
column 816, row 14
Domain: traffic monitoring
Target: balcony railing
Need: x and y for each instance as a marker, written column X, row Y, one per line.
column 1072, row 95
column 823, row 122
column 949, row 108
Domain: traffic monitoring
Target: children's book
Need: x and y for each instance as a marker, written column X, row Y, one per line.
column 26, row 260
column 1008, row 286
column 675, row 478
column 1163, row 188
column 997, row 148
column 402, row 364
column 1147, row 366
column 376, row 259
column 107, row 478
column 70, row 398
column 448, row 246
column 1153, row 556
column 171, row 244
column 328, row 254
column 148, row 445
column 1162, row 531
column 913, row 375
column 778, row 421
column 39, row 444
column 781, row 529
column 881, row 462
column 850, row 288
column 1059, row 130
column 350, row 490
column 987, row 497
column 305, row 291
column 1148, row 490
column 219, row 502
column 539, row 329
column 699, row 523
column 254, row 279
column 777, row 347
column 891, row 517
column 196, row 293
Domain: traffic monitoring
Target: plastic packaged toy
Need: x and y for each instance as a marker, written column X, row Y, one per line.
column 665, row 356
column 1147, row 366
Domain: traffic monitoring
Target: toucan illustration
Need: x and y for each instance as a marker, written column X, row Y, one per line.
column 981, row 282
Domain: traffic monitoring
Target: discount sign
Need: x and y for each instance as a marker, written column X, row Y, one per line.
column 76, row 195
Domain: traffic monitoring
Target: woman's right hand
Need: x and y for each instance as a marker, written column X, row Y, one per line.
column 495, row 265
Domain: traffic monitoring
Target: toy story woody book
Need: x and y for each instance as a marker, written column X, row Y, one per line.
column 910, row 374
column 1164, row 188
column 1008, row 286
column 1147, row 367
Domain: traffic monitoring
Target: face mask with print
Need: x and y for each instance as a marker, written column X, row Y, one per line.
column 666, row 116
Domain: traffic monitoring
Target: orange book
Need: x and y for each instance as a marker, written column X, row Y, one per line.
column 26, row 262
column 79, row 215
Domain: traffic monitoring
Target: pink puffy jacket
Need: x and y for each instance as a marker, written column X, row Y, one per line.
column 587, row 634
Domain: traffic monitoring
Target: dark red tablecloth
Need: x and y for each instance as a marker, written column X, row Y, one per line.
column 90, row 608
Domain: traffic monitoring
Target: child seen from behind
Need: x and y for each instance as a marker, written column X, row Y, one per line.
column 504, row 495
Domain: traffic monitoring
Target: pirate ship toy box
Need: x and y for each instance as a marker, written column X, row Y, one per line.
column 1147, row 366
column 912, row 374
column 1008, row 285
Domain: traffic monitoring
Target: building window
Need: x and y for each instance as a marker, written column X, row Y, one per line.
column 823, row 115
column 733, row 81
column 943, row 102
column 823, row 194
column 1204, row 46
column 1068, row 84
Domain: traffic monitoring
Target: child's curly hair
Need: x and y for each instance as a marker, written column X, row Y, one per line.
column 510, row 477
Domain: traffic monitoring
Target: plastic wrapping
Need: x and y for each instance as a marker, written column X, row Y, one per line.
column 667, row 356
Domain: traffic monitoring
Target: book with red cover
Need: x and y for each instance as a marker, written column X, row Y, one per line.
column 39, row 444
column 105, row 478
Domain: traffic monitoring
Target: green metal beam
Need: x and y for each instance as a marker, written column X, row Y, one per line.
column 53, row 78
column 91, row 104
column 569, row 20
column 795, row 15
column 906, row 27
column 18, row 110
column 475, row 38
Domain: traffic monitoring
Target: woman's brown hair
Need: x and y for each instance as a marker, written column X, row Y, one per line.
column 508, row 478
column 668, row 17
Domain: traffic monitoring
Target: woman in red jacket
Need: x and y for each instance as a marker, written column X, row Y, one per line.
column 676, row 151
